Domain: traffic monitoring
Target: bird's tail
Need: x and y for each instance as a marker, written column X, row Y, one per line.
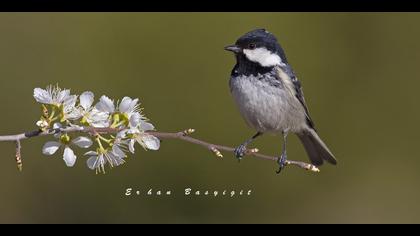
column 316, row 148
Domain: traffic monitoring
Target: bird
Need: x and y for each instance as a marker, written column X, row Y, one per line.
column 270, row 96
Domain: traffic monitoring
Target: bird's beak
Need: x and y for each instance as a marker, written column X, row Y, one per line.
column 233, row 48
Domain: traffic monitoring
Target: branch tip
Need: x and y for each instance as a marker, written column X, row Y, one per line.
column 303, row 165
column 254, row 150
column 216, row 152
column 18, row 156
column 188, row 132
column 314, row 169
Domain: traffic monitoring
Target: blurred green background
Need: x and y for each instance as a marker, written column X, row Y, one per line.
column 360, row 73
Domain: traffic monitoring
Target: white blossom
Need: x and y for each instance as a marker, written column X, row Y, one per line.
column 131, row 109
column 98, row 159
column 50, row 148
column 52, row 95
column 147, row 141
column 61, row 99
column 90, row 114
column 63, row 112
column 114, row 155
column 128, row 108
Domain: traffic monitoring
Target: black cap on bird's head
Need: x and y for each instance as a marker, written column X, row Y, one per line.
column 259, row 46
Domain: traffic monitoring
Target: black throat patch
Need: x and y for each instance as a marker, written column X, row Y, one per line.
column 246, row 67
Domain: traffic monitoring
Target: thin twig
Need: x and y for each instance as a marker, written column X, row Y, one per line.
column 217, row 148
column 18, row 155
column 184, row 135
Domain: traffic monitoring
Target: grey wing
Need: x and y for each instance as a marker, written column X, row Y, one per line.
column 314, row 146
column 299, row 93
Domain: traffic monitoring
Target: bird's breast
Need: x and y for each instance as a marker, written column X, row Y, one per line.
column 266, row 104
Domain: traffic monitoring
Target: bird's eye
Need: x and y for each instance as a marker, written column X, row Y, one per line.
column 251, row 46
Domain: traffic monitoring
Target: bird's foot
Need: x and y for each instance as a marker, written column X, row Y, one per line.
column 282, row 162
column 240, row 152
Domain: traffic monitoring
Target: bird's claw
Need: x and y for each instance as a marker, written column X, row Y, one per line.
column 282, row 162
column 240, row 151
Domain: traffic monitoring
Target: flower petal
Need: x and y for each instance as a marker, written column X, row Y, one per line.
column 131, row 145
column 50, row 148
column 83, row 142
column 105, row 104
column 73, row 115
column 69, row 102
column 42, row 96
column 117, row 151
column 146, row 126
column 150, row 142
column 69, row 157
column 135, row 119
column 125, row 104
column 122, row 134
column 113, row 159
column 133, row 130
column 98, row 118
column 91, row 153
column 86, row 99
column 96, row 162
column 62, row 96
column 70, row 110
column 134, row 105
column 92, row 162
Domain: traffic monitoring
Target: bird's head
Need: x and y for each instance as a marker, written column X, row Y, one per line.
column 258, row 46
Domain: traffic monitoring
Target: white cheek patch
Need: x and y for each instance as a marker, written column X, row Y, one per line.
column 262, row 56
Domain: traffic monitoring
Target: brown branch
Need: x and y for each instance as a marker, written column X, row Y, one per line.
column 184, row 136
column 217, row 148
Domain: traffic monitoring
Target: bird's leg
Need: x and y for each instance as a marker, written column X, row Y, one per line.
column 283, row 158
column 240, row 151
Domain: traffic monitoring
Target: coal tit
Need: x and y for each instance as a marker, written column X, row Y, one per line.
column 270, row 97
